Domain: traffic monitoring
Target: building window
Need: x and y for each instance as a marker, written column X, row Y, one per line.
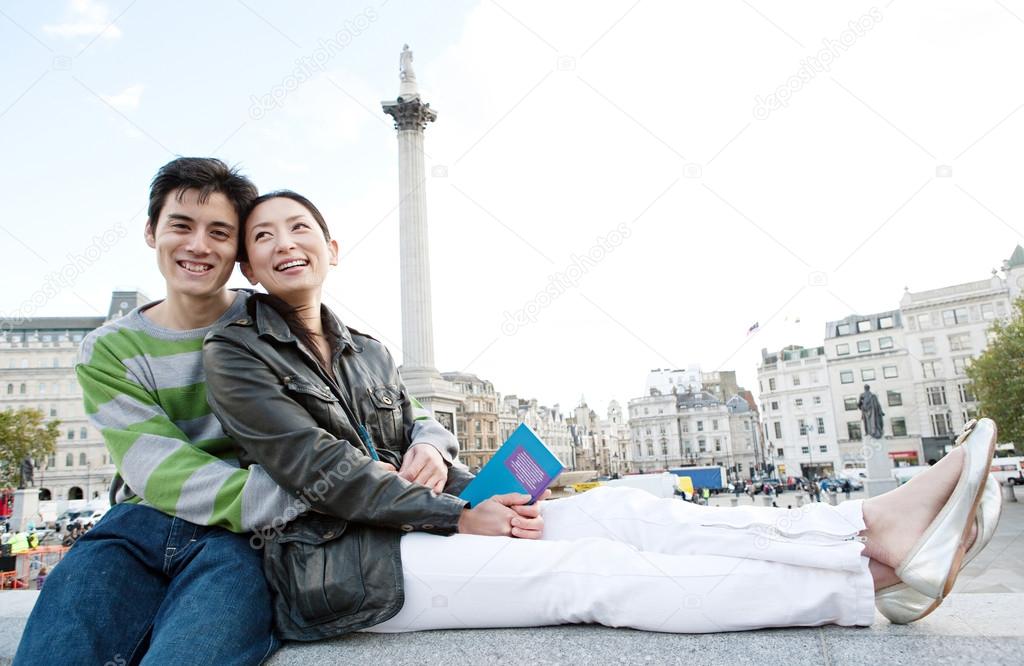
column 931, row 369
column 476, row 426
column 702, row 445
column 771, row 383
column 51, row 462
column 775, row 405
column 81, row 460
column 805, row 450
column 846, row 377
column 927, row 345
column 885, row 322
column 961, row 364
column 801, row 427
column 863, row 346
column 780, row 453
column 893, row 398
column 799, row 402
column 924, row 320
column 778, row 429
column 685, row 426
column 53, row 410
column 10, row 389
column 890, row 371
column 843, row 329
column 899, row 427
column 941, row 424
column 817, row 399
column 69, row 460
column 796, row 380
column 960, row 342
column 823, row 448
column 478, row 442
column 714, row 424
column 936, row 395
column 843, row 349
column 83, row 433
column 42, row 388
column 490, row 443
column 988, row 313
column 853, row 431
column 821, row 426
column 650, row 448
column 966, row 395
column 954, row 316
column 718, row 444
column 885, row 343
column 22, row 389
column 867, row 374
column 664, row 447
column 71, row 433
column 863, row 325
column 700, row 426
column 850, row 404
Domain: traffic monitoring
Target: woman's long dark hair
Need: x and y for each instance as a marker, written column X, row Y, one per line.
column 291, row 315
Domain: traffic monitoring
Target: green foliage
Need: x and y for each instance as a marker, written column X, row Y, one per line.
column 997, row 378
column 24, row 434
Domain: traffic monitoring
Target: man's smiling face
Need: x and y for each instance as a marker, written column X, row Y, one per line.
column 196, row 243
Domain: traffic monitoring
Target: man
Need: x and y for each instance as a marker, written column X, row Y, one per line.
column 169, row 573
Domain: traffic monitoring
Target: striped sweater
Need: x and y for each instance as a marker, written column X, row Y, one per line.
column 145, row 390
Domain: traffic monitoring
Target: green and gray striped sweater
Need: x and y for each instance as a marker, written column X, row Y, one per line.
column 145, row 390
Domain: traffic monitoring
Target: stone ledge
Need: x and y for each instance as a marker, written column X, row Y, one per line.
column 968, row 628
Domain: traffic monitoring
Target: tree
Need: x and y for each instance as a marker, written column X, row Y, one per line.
column 997, row 377
column 24, row 435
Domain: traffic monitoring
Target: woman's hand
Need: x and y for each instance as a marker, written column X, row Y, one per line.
column 505, row 515
column 529, row 523
column 388, row 467
column 423, row 464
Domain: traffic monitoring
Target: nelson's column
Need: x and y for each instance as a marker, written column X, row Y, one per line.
column 421, row 378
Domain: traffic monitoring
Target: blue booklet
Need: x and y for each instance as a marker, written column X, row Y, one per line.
column 523, row 464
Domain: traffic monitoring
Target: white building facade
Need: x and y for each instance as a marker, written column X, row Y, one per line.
column 798, row 413
column 871, row 350
column 37, row 371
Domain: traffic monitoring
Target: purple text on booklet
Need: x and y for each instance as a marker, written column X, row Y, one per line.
column 527, row 472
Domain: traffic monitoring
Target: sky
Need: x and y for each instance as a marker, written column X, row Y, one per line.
column 613, row 187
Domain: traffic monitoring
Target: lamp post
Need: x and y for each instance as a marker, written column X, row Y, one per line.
column 804, row 430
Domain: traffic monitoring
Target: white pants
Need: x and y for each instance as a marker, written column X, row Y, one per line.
column 624, row 558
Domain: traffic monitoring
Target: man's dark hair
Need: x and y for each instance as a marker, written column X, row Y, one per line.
column 206, row 175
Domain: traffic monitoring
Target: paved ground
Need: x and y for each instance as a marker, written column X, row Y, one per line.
column 982, row 622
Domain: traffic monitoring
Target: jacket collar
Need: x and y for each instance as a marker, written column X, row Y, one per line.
column 269, row 322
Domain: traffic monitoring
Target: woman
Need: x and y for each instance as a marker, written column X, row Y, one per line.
column 322, row 408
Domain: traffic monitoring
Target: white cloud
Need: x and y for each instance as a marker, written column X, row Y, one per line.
column 85, row 18
column 126, row 100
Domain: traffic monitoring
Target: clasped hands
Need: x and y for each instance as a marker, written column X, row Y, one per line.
column 501, row 515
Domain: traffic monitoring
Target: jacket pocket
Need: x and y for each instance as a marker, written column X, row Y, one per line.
column 317, row 569
column 318, row 400
column 385, row 421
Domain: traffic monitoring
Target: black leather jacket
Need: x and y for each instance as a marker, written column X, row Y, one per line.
column 337, row 567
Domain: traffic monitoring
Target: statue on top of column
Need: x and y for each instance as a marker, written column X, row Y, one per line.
column 405, row 65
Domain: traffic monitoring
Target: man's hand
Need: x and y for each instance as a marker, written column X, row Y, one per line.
column 423, row 464
column 388, row 467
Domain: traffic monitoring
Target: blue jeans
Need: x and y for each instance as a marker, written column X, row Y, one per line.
column 144, row 587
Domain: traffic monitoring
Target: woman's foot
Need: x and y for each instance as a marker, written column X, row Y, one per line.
column 897, row 519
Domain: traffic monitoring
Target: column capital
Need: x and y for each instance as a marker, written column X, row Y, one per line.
column 410, row 114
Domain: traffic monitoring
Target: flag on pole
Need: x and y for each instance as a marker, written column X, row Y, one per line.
column 753, row 328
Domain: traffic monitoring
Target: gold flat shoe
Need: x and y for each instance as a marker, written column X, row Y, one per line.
column 902, row 604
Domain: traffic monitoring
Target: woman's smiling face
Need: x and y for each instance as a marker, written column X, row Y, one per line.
column 288, row 252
